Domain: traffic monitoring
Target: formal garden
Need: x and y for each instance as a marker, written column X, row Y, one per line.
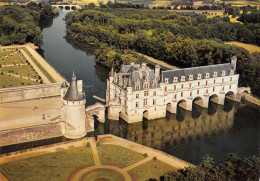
column 90, row 161
column 15, row 70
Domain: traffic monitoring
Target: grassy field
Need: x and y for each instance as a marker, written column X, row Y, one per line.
column 23, row 70
column 17, row 58
column 240, row 3
column 151, row 169
column 250, row 48
column 53, row 166
column 118, row 156
column 9, row 81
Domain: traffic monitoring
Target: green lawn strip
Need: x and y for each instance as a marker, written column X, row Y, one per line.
column 16, row 58
column 117, row 156
column 23, row 70
column 10, row 81
column 150, row 169
column 3, row 53
column 51, row 166
column 49, row 77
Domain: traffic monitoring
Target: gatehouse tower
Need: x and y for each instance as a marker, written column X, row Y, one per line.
column 73, row 110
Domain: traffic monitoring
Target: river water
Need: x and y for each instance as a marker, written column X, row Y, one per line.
column 233, row 128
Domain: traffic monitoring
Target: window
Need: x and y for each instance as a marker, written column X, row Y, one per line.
column 174, row 87
column 190, row 85
column 198, row 91
column 137, row 104
column 182, row 78
column 166, row 80
column 145, row 102
column 223, row 73
column 165, row 88
column 206, row 82
column 190, row 94
column 230, row 78
column 199, row 76
column 154, row 102
column 222, row 80
column 223, row 89
column 190, row 77
column 175, row 96
column 214, row 81
column 154, row 84
column 137, row 87
column 215, row 74
column 175, row 79
column 207, row 75
column 146, row 86
column 181, row 94
column 182, row 86
column 154, row 93
column 146, row 93
column 137, row 95
column 230, row 86
column 207, row 91
column 213, row 89
column 198, row 83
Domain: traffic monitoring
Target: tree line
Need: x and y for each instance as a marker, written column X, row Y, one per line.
column 20, row 24
column 233, row 168
column 183, row 40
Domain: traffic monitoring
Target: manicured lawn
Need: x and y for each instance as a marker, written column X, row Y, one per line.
column 55, row 166
column 150, row 169
column 117, row 156
column 102, row 174
column 24, row 70
column 10, row 81
column 17, row 58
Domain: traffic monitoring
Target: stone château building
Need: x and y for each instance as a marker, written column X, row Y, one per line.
column 137, row 91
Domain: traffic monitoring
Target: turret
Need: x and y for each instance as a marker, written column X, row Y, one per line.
column 74, row 112
column 63, row 89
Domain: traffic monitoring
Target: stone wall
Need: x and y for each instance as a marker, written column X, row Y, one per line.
column 29, row 92
column 32, row 133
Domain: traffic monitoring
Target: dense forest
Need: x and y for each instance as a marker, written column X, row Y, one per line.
column 20, row 24
column 180, row 39
column 234, row 168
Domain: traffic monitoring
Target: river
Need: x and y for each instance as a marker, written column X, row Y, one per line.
column 233, row 128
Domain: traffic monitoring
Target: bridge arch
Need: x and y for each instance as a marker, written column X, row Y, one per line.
column 67, row 8
column 229, row 101
column 197, row 105
column 60, row 7
column 145, row 119
column 213, row 104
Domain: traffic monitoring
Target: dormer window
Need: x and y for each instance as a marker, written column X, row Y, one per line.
column 215, row 74
column 206, row 75
column 190, row 77
column 137, row 86
column 182, row 78
column 199, row 76
column 231, row 72
column 223, row 73
column 146, row 86
column 175, row 79
column 166, row 80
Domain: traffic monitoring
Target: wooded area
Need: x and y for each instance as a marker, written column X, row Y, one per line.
column 20, row 24
column 180, row 39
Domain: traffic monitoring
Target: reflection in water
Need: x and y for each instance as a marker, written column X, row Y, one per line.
column 183, row 129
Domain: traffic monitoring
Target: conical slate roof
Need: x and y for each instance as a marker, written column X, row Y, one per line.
column 64, row 84
column 72, row 93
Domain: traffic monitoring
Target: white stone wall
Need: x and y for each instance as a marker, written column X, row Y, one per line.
column 122, row 102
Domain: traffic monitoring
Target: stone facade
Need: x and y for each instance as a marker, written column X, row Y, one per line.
column 29, row 92
column 138, row 91
column 32, row 133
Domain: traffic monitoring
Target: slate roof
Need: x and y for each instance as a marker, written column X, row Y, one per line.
column 170, row 74
column 64, row 84
column 72, row 94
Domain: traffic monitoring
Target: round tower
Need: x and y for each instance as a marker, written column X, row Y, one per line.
column 74, row 112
